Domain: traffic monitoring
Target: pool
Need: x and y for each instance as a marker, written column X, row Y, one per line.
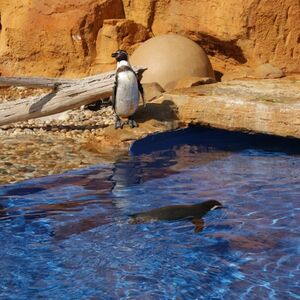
column 70, row 237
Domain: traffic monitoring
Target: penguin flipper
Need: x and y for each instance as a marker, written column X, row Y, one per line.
column 141, row 90
column 114, row 92
column 199, row 224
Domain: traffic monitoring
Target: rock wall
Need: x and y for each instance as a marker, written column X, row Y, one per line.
column 73, row 38
column 251, row 32
column 52, row 37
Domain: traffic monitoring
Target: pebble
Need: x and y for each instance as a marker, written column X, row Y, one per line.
column 40, row 147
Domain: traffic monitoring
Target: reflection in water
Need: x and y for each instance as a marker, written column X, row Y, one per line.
column 80, row 226
column 2, row 212
column 152, row 158
column 76, row 225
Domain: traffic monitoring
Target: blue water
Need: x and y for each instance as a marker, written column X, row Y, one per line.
column 69, row 236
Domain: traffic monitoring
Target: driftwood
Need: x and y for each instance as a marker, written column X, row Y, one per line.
column 65, row 94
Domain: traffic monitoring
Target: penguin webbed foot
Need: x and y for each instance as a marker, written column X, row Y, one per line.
column 199, row 224
column 132, row 123
column 118, row 123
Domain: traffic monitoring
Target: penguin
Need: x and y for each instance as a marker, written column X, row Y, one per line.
column 125, row 97
column 193, row 212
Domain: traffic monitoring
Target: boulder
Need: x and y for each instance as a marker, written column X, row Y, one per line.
column 170, row 58
column 266, row 71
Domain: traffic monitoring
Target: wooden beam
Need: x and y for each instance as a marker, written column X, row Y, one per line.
column 66, row 94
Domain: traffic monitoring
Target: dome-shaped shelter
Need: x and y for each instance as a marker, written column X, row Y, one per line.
column 170, row 58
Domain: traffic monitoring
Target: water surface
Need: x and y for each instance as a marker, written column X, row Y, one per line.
column 69, row 236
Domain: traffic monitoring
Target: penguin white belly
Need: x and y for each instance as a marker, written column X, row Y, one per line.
column 127, row 94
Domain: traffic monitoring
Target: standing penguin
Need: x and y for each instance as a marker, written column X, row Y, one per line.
column 126, row 90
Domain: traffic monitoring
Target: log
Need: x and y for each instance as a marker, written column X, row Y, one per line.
column 66, row 94
column 33, row 82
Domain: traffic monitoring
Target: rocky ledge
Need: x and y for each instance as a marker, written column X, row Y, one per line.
column 270, row 106
column 80, row 138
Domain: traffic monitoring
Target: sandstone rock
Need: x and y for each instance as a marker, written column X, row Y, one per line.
column 253, row 32
column 170, row 58
column 269, row 106
column 117, row 34
column 55, row 38
column 191, row 81
column 152, row 91
column 266, row 71
column 52, row 38
column 237, row 73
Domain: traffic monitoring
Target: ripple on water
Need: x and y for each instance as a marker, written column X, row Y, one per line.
column 69, row 236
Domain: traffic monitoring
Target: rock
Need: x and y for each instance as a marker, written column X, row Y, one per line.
column 170, row 58
column 191, row 81
column 63, row 116
column 238, row 73
column 259, row 32
column 64, row 36
column 117, row 34
column 266, row 71
column 52, row 38
column 152, row 90
column 268, row 106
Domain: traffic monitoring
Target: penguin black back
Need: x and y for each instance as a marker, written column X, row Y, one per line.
column 177, row 212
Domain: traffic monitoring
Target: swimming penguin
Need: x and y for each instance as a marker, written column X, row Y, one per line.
column 126, row 90
column 178, row 212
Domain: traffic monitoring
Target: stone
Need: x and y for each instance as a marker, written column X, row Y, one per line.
column 253, row 32
column 63, row 36
column 268, row 106
column 169, row 58
column 63, row 116
column 191, row 81
column 238, row 73
column 266, row 71
column 52, row 38
column 152, row 91
column 117, row 34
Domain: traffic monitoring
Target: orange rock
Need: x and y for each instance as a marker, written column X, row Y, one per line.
column 52, row 37
column 170, row 58
column 266, row 71
column 117, row 34
column 62, row 38
column 253, row 32
column 191, row 81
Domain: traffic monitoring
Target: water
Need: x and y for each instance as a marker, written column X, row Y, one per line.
column 69, row 236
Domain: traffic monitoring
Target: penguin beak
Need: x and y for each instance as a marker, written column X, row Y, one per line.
column 114, row 54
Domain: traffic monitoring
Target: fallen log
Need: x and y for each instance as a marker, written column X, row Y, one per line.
column 33, row 82
column 66, row 94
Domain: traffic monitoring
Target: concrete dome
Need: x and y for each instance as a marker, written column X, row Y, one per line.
column 170, row 58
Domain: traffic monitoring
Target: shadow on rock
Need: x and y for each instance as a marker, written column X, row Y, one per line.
column 165, row 111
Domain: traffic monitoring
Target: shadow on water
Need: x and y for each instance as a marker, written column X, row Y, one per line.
column 215, row 139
